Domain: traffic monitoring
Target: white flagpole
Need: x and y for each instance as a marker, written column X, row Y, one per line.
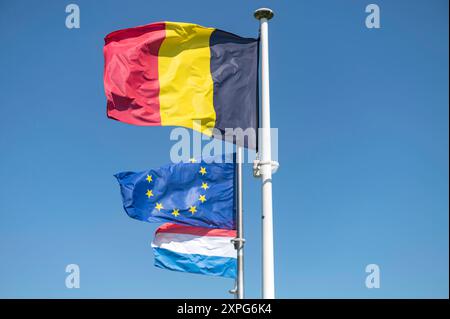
column 268, row 281
column 239, row 241
column 240, row 229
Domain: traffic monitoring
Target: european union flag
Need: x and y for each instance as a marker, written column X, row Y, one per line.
column 196, row 194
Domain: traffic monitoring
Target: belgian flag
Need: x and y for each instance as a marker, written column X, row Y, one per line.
column 171, row 73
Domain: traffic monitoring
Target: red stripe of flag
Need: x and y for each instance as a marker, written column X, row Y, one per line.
column 192, row 230
column 131, row 74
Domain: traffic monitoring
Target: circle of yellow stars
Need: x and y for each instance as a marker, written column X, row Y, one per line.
column 176, row 212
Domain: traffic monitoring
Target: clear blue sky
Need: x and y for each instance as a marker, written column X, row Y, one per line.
column 363, row 146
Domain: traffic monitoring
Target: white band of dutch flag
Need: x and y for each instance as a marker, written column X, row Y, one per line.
column 199, row 250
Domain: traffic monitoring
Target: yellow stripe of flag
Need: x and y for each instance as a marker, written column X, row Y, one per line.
column 186, row 84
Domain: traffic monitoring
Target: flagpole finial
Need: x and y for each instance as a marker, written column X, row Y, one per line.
column 263, row 13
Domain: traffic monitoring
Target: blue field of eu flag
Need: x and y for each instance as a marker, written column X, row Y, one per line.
column 196, row 194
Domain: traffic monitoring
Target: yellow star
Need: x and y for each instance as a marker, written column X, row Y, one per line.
column 202, row 198
column 193, row 210
column 149, row 193
column 205, row 186
column 149, row 178
column 192, row 160
column 159, row 206
column 175, row 212
column 202, row 170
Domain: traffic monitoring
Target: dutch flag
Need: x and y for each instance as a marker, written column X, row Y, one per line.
column 207, row 251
